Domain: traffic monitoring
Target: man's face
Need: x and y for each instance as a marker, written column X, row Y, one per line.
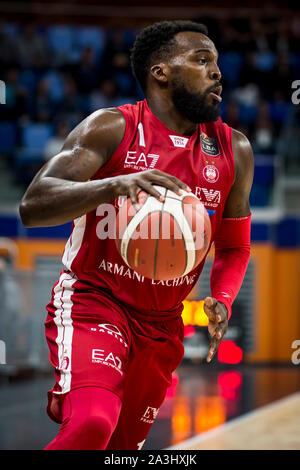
column 195, row 78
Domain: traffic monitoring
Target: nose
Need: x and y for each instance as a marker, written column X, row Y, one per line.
column 215, row 73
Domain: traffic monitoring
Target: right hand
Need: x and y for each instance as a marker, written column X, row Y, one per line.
column 130, row 185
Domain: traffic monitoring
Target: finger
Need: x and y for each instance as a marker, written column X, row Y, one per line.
column 222, row 313
column 133, row 194
column 219, row 311
column 209, row 308
column 180, row 183
column 176, row 180
column 210, row 302
column 151, row 190
column 213, row 347
column 214, row 328
column 169, row 181
column 212, row 325
column 220, row 331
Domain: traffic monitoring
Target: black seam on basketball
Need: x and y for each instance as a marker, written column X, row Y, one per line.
column 182, row 238
column 157, row 241
column 186, row 255
column 194, row 210
column 186, row 195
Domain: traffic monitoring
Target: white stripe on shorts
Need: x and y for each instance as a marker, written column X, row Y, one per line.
column 62, row 301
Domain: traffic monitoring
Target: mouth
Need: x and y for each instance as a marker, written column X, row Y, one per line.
column 216, row 93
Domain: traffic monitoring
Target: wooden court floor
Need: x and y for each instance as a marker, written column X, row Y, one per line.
column 272, row 427
column 206, row 408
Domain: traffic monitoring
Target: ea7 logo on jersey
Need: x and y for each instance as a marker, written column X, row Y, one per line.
column 140, row 161
column 209, row 197
column 99, row 356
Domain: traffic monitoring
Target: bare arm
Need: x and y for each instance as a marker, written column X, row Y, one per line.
column 61, row 190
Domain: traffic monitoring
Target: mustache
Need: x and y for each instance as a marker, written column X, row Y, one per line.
column 212, row 87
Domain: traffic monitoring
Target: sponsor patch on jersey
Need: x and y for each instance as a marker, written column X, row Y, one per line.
column 211, row 173
column 209, row 145
column 179, row 141
column 209, row 197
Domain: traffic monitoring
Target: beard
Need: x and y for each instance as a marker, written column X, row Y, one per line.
column 193, row 106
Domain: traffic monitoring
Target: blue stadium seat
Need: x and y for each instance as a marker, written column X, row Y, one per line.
column 124, row 82
column 60, row 38
column 295, row 63
column 247, row 113
column 28, row 79
column 265, row 61
column 55, row 83
column 264, row 173
column 7, row 137
column 89, row 37
column 11, row 29
column 263, row 180
column 230, row 63
column 279, row 111
column 129, row 38
column 34, row 138
column 260, row 195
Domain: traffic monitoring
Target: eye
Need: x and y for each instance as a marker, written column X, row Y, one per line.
column 202, row 60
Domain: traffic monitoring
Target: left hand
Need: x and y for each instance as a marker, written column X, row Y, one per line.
column 218, row 324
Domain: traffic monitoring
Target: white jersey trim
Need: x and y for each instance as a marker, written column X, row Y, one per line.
column 142, row 142
column 74, row 242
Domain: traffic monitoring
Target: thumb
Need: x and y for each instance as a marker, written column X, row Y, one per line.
column 209, row 307
column 210, row 302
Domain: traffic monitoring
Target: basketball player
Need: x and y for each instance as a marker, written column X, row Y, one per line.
column 114, row 337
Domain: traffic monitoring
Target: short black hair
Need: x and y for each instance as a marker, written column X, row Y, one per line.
column 156, row 42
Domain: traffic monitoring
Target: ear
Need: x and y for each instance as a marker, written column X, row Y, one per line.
column 160, row 72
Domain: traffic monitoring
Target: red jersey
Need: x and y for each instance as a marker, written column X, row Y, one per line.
column 204, row 161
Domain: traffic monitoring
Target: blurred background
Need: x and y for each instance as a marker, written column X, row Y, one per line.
column 59, row 62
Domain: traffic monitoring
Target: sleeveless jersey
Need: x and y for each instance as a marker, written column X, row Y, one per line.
column 204, row 161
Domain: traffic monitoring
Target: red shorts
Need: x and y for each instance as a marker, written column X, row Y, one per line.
column 96, row 341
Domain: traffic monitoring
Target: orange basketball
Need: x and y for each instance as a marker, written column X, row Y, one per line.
column 163, row 240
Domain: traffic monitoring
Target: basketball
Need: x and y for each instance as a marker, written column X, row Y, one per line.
column 163, row 240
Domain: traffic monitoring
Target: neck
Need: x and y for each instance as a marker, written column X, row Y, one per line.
column 165, row 111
